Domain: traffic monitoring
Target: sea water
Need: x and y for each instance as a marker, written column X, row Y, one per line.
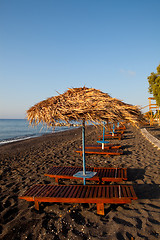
column 12, row 130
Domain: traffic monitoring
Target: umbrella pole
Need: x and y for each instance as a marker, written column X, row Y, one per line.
column 103, row 134
column 103, row 130
column 113, row 131
column 113, row 128
column 83, row 150
column 84, row 174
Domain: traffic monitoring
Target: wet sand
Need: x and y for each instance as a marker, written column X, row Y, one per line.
column 25, row 163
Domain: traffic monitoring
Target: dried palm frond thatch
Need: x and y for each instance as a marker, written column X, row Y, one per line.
column 87, row 104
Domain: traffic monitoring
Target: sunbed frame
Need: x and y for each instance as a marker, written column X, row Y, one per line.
column 113, row 194
column 101, row 151
column 110, row 136
column 120, row 128
column 99, row 146
column 103, row 174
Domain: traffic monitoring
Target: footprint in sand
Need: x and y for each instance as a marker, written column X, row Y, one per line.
column 123, row 222
column 10, row 215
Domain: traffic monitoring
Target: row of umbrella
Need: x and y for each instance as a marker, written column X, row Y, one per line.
column 83, row 105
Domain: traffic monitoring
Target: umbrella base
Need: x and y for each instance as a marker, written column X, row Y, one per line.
column 87, row 175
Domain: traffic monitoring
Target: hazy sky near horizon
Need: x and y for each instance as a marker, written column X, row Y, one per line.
column 52, row 45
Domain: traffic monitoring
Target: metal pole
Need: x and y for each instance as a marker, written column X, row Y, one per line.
column 83, row 149
column 113, row 128
column 103, row 130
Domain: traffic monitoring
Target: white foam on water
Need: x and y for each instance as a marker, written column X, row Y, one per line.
column 15, row 140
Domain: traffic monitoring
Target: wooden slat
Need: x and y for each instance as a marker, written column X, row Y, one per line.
column 63, row 192
column 132, row 192
column 91, row 193
column 87, row 192
column 46, row 192
column 31, row 190
column 79, row 192
column 128, row 192
column 58, row 170
column 113, row 173
column 52, row 191
column 111, row 192
column 95, row 192
column 67, row 193
column 41, row 189
column 103, row 192
column 71, row 192
column 123, row 191
column 107, row 192
column 116, row 192
column 83, row 193
column 99, row 192
column 76, row 191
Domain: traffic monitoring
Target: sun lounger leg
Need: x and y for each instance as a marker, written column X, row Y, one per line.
column 56, row 179
column 36, row 205
column 100, row 181
column 100, row 208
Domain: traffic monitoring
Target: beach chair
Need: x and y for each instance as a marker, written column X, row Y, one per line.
column 121, row 127
column 111, row 136
column 102, row 174
column 99, row 146
column 100, row 151
column 98, row 194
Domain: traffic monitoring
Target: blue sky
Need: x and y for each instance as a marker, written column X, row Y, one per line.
column 51, row 45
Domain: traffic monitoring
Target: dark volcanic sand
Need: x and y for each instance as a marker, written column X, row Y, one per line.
column 24, row 164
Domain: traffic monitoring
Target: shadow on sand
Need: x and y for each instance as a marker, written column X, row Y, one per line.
column 135, row 174
column 147, row 191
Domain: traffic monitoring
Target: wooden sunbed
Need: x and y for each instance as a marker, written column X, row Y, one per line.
column 103, row 174
column 110, row 136
column 120, row 128
column 106, row 146
column 113, row 194
column 119, row 131
column 101, row 151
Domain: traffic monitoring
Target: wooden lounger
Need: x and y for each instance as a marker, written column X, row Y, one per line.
column 118, row 131
column 106, row 146
column 113, row 194
column 101, row 151
column 110, row 136
column 120, row 128
column 103, row 174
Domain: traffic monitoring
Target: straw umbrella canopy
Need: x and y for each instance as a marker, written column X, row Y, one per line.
column 82, row 105
column 87, row 104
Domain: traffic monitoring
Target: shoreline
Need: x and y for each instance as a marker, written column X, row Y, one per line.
column 22, row 138
column 24, row 163
column 151, row 133
column 28, row 133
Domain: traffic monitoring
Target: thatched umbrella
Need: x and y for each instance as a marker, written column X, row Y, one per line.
column 82, row 105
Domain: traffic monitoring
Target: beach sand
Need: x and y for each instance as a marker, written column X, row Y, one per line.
column 25, row 163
